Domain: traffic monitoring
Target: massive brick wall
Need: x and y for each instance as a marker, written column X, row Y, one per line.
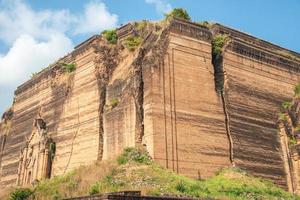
column 119, row 119
column 255, row 90
column 166, row 101
column 67, row 104
column 184, row 118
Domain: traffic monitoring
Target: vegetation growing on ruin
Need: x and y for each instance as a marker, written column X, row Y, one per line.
column 205, row 24
column 140, row 25
column 134, row 170
column 111, row 36
column 286, row 105
column 282, row 116
column 21, row 194
column 114, row 102
column 33, row 74
column 218, row 43
column 69, row 67
column 292, row 141
column 132, row 42
column 297, row 90
column 178, row 12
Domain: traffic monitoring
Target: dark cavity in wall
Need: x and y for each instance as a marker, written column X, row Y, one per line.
column 219, row 43
column 105, row 66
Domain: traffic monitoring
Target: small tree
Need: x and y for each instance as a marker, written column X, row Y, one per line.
column 178, row 12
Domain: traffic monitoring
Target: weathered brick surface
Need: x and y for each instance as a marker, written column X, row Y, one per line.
column 166, row 101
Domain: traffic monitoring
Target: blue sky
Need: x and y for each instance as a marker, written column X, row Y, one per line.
column 34, row 33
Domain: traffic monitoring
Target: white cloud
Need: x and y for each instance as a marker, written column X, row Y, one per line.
column 28, row 55
column 38, row 38
column 17, row 18
column 161, row 6
column 96, row 18
column 35, row 39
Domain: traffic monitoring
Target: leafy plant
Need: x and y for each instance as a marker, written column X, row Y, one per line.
column 178, row 12
column 114, row 102
column 292, row 141
column 111, row 36
column 297, row 90
column 69, row 67
column 218, row 42
column 286, row 105
column 282, row 116
column 132, row 42
column 21, row 194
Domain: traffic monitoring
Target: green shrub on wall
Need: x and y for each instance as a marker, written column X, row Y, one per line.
column 180, row 13
column 286, row 105
column 111, row 36
column 297, row 90
column 218, row 42
column 70, row 67
column 132, row 42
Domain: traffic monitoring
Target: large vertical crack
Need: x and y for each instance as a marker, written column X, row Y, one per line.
column 106, row 62
column 155, row 58
column 219, row 44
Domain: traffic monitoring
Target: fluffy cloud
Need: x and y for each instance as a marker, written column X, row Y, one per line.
column 37, row 38
column 96, row 17
column 27, row 55
column 34, row 39
column 161, row 6
column 17, row 18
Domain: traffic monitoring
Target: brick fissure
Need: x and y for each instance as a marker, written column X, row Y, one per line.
column 219, row 76
column 106, row 63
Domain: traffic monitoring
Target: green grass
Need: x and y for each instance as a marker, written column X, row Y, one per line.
column 134, row 170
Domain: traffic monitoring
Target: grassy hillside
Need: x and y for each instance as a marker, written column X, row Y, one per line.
column 134, row 170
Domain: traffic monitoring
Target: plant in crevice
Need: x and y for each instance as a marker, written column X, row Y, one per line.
column 218, row 43
column 111, row 36
column 132, row 42
column 292, row 141
column 282, row 116
column 69, row 67
column 114, row 102
column 297, row 90
column 286, row 105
